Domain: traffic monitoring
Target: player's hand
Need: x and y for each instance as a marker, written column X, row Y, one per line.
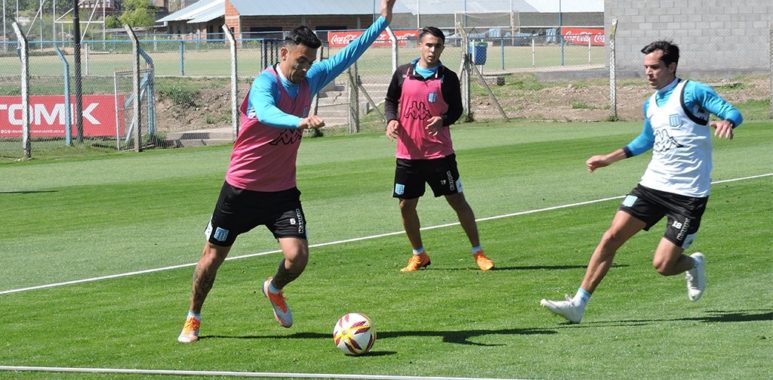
column 393, row 129
column 596, row 162
column 311, row 122
column 386, row 9
column 434, row 125
column 723, row 129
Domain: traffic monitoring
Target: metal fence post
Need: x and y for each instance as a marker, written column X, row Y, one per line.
column 234, row 83
column 25, row 90
column 136, row 118
column 182, row 58
column 612, row 73
column 770, row 74
column 67, row 115
column 354, row 111
column 393, row 40
column 150, row 90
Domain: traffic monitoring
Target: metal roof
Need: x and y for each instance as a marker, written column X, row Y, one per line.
column 488, row 6
column 206, row 10
column 194, row 11
column 311, row 7
column 209, row 15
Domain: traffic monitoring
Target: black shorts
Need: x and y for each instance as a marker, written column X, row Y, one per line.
column 441, row 174
column 238, row 211
column 684, row 213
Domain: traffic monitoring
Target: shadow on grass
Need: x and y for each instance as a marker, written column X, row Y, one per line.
column 713, row 316
column 529, row 267
column 457, row 337
column 28, row 192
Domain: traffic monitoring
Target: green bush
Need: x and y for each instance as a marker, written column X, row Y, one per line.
column 180, row 95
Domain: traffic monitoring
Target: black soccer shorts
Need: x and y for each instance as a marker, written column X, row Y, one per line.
column 238, row 211
column 441, row 174
column 684, row 213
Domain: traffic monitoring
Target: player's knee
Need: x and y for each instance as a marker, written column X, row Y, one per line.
column 407, row 206
column 611, row 239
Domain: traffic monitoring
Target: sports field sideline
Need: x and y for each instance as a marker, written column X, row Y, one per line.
column 82, row 218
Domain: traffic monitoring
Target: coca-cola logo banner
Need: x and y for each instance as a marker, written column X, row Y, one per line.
column 341, row 39
column 581, row 36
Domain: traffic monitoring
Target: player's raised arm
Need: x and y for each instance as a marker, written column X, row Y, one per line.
column 322, row 73
column 386, row 9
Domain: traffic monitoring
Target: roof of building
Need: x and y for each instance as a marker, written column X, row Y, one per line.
column 206, row 10
column 488, row 6
column 195, row 10
column 312, row 7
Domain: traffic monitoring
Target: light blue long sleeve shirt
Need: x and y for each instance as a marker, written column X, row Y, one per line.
column 696, row 95
column 264, row 93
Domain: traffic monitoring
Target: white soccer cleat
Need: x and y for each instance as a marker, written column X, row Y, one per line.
column 696, row 277
column 566, row 309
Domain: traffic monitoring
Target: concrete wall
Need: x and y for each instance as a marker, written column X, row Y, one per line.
column 714, row 36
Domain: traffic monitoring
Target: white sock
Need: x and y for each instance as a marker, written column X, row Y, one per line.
column 581, row 298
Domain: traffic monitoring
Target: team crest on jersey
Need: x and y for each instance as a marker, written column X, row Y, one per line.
column 674, row 121
column 432, row 97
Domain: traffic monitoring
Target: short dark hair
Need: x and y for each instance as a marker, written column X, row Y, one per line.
column 433, row 31
column 669, row 49
column 303, row 35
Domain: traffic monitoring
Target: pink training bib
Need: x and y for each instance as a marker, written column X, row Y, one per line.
column 419, row 101
column 264, row 157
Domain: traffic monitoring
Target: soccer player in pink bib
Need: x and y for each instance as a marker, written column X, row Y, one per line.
column 422, row 102
column 260, row 187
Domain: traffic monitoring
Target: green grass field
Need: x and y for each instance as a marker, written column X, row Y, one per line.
column 100, row 214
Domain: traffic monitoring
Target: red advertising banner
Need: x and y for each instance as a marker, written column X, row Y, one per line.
column 341, row 39
column 581, row 36
column 48, row 117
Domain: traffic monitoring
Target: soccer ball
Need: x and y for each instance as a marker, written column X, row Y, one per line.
column 354, row 334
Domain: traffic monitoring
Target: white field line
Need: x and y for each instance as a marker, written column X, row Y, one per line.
column 283, row 375
column 338, row 242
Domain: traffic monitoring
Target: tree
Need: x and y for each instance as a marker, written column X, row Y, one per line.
column 112, row 22
column 137, row 13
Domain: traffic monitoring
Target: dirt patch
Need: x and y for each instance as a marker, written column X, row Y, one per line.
column 589, row 100
column 582, row 100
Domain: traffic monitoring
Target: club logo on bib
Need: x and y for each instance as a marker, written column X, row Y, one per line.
column 432, row 97
column 674, row 121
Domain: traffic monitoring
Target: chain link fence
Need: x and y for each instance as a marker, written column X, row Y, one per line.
column 181, row 75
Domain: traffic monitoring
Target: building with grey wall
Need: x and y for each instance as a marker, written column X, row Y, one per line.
column 714, row 36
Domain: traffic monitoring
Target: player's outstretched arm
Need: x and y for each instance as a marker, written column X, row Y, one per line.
column 386, row 9
column 604, row 160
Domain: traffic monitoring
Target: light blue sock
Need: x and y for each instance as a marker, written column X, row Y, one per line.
column 192, row 314
column 476, row 249
column 418, row 251
column 272, row 288
column 581, row 297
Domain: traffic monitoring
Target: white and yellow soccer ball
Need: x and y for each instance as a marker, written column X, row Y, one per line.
column 354, row 334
